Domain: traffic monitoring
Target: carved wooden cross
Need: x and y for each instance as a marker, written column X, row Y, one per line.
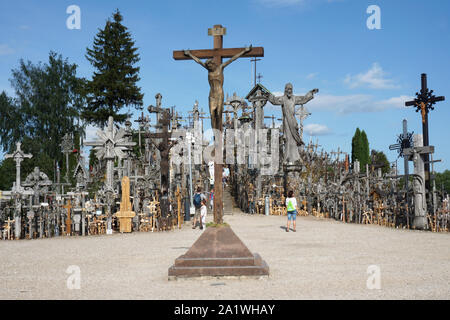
column 69, row 207
column 217, row 54
column 161, row 140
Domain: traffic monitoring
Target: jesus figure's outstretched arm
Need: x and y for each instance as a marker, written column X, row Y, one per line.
column 200, row 62
column 240, row 54
column 276, row 101
column 306, row 98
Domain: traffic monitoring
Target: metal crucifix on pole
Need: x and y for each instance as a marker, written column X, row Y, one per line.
column 424, row 103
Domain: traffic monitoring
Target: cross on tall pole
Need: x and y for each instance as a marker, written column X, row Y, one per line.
column 302, row 114
column 161, row 140
column 259, row 76
column 273, row 120
column 255, row 60
column 67, row 148
column 215, row 78
column 18, row 156
column 424, row 103
column 142, row 123
column 405, row 141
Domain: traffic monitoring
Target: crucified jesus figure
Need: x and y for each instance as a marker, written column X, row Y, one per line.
column 215, row 79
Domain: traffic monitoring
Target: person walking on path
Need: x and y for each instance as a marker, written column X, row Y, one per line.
column 203, row 212
column 198, row 198
column 211, row 199
column 291, row 205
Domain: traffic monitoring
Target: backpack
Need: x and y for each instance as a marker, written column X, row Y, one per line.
column 197, row 200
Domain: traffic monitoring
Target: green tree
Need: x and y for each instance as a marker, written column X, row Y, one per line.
column 113, row 84
column 47, row 105
column 360, row 149
column 7, row 174
column 443, row 181
column 49, row 100
column 380, row 159
column 356, row 145
column 365, row 152
column 11, row 122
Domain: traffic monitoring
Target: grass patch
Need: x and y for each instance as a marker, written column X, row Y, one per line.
column 217, row 225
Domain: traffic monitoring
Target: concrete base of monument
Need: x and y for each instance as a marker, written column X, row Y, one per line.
column 218, row 253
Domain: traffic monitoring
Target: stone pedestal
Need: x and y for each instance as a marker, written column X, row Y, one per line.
column 292, row 180
column 218, row 252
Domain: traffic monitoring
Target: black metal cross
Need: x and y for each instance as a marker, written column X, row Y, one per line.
column 404, row 141
column 424, row 103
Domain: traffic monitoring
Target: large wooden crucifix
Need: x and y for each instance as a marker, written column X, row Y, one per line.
column 424, row 103
column 161, row 140
column 215, row 68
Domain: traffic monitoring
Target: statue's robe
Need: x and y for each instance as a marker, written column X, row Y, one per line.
column 290, row 126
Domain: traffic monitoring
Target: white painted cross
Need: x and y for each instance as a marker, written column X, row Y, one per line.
column 18, row 156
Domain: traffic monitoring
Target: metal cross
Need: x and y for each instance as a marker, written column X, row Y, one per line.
column 424, row 103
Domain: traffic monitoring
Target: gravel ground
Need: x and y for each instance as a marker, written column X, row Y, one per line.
column 324, row 259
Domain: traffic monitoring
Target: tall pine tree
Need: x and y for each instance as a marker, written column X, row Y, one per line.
column 360, row 149
column 365, row 152
column 113, row 84
column 356, row 146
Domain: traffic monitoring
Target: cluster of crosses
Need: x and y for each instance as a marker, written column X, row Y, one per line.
column 324, row 183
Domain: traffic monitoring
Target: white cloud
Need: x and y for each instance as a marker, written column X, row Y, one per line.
column 348, row 104
column 315, row 129
column 5, row 50
column 355, row 103
column 91, row 133
column 374, row 78
column 280, row 3
column 311, row 75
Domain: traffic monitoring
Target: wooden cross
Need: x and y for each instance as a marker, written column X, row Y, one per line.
column 178, row 195
column 273, row 120
column 218, row 52
column 142, row 122
column 215, row 78
column 164, row 145
column 424, row 103
column 68, row 206
column 255, row 60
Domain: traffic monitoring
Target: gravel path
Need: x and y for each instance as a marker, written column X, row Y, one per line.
column 324, row 259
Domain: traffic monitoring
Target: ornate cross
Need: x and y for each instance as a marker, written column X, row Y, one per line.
column 67, row 148
column 18, row 156
column 302, row 114
column 424, row 103
column 111, row 144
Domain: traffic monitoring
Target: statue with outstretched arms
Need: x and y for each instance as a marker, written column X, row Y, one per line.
column 291, row 135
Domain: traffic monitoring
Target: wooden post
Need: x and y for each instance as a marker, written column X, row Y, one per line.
column 178, row 194
column 68, row 206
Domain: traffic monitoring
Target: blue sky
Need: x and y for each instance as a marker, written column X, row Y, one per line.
column 364, row 76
